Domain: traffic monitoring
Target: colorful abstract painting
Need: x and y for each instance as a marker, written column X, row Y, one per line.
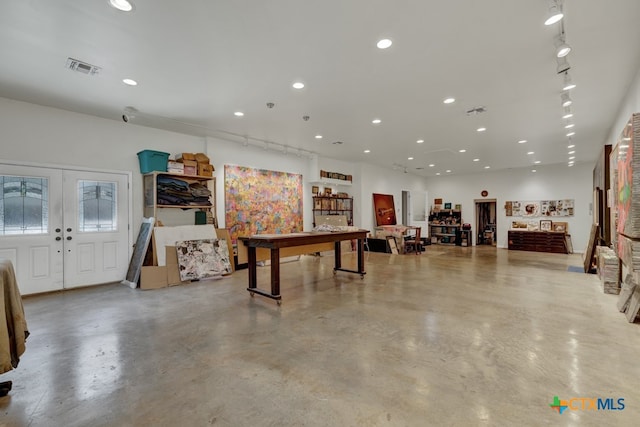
column 259, row 201
column 628, row 201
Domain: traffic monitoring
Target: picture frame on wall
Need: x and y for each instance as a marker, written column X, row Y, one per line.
column 560, row 226
column 447, row 205
column 327, row 191
column 315, row 189
column 546, row 224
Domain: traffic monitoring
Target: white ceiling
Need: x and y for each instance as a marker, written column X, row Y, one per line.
column 198, row 61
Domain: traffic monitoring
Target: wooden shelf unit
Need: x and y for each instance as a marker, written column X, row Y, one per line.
column 444, row 226
column 328, row 205
column 153, row 209
column 538, row 241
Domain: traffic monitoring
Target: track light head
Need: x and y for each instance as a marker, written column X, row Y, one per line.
column 563, row 65
column 562, row 48
column 555, row 13
column 568, row 83
column 566, row 99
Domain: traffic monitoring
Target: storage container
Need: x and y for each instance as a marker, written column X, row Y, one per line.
column 151, row 160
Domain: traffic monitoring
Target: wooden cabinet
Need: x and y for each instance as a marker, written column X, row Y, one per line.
column 173, row 198
column 327, row 205
column 538, row 241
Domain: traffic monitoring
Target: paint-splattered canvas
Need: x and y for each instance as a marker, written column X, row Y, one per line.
column 628, row 200
column 259, row 201
column 202, row 259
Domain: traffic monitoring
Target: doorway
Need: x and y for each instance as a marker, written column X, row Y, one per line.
column 64, row 228
column 486, row 222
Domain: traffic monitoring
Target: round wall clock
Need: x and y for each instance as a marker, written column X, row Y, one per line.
column 484, row 193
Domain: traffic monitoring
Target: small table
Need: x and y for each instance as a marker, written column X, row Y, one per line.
column 276, row 241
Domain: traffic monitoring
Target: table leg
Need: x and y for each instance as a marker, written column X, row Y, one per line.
column 337, row 256
column 251, row 255
column 361, row 257
column 275, row 272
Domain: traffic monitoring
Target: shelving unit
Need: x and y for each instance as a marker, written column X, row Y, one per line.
column 175, row 214
column 444, row 226
column 328, row 205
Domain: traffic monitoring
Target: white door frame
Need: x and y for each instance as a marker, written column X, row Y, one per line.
column 129, row 174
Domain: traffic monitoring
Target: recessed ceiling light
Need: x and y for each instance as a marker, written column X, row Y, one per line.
column 530, row 153
column 376, row 121
column 487, row 167
column 462, row 151
column 476, row 160
column 409, row 158
column 569, row 126
column 238, row 114
column 367, row 151
column 438, row 173
column 130, row 82
column 298, row 85
column 571, row 152
column 122, row 5
column 420, row 141
column 318, row 136
column 384, row 43
column 522, row 141
column 571, row 133
column 448, row 170
column 571, row 146
column 449, row 100
column 572, row 158
column 537, row 162
column 431, row 165
column 533, row 170
column 481, row 129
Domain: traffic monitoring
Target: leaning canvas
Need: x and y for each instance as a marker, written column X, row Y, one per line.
column 202, row 259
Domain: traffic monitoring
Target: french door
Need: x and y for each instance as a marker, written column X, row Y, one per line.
column 63, row 228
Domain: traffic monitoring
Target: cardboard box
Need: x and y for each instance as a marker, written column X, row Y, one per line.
column 153, row 277
column 173, row 269
column 201, row 158
column 205, row 169
column 190, row 167
column 175, row 167
column 185, row 156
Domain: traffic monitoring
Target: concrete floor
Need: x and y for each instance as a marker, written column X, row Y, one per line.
column 453, row 337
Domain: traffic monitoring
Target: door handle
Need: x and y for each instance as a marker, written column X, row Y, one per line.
column 69, row 237
column 58, row 230
column 68, row 229
column 58, row 238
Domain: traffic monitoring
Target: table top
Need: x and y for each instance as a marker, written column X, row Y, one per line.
column 298, row 239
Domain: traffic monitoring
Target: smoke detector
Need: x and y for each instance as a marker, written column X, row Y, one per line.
column 82, row 67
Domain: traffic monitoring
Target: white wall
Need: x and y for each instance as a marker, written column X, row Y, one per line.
column 549, row 183
column 629, row 106
column 32, row 133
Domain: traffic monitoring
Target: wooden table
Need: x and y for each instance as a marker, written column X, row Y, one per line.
column 275, row 242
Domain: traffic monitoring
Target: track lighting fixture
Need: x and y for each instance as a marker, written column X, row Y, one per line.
column 562, row 48
column 566, row 99
column 567, row 113
column 555, row 12
column 563, row 65
column 568, row 84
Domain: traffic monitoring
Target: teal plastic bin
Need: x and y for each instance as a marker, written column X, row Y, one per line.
column 151, row 160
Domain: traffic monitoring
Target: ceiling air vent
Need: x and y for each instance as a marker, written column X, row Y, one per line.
column 476, row 110
column 82, row 67
column 337, row 143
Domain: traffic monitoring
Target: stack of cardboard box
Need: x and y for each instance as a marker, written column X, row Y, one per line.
column 195, row 164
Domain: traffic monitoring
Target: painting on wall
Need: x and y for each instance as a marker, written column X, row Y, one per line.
column 259, row 201
column 203, row 259
column 384, row 209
